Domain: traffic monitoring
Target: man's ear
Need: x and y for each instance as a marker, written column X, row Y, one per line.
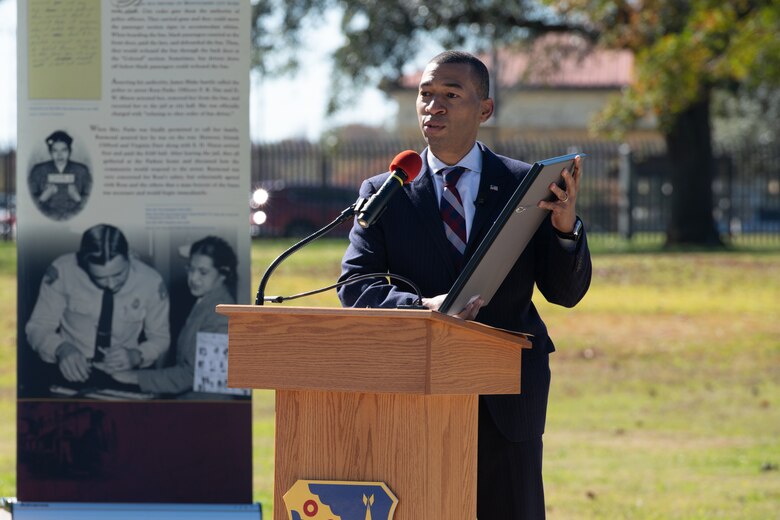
column 486, row 109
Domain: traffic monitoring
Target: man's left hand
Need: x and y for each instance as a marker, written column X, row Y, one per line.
column 469, row 312
column 564, row 213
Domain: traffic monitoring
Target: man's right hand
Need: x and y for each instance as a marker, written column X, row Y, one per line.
column 73, row 364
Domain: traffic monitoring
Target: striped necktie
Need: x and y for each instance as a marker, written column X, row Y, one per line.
column 452, row 213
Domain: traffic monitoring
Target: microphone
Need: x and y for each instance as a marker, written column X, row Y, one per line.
column 404, row 168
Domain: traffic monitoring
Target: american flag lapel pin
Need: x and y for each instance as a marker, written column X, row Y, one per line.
column 493, row 187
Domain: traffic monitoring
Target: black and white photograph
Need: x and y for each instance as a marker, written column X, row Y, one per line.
column 109, row 323
column 60, row 186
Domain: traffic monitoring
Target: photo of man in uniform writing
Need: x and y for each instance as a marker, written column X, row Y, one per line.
column 99, row 311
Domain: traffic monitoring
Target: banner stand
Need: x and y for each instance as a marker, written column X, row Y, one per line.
column 133, row 157
column 123, row 511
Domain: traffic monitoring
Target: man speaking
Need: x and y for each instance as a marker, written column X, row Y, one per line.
column 428, row 232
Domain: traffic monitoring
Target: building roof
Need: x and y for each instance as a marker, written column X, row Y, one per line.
column 555, row 61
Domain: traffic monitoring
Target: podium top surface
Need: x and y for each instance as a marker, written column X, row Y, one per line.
column 403, row 314
column 369, row 350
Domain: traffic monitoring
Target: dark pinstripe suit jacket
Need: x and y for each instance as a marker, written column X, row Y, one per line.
column 409, row 240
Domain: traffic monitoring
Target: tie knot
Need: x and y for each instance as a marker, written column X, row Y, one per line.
column 452, row 175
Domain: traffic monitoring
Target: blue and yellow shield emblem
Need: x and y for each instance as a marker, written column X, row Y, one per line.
column 339, row 500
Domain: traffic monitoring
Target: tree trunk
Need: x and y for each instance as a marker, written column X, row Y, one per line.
column 689, row 144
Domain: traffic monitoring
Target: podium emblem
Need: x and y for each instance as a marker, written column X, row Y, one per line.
column 339, row 500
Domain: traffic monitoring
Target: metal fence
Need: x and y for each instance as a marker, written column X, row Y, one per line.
column 625, row 193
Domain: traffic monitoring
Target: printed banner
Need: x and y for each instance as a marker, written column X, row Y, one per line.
column 133, row 178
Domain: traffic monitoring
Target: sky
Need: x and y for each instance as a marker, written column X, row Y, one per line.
column 8, row 88
column 280, row 108
column 290, row 107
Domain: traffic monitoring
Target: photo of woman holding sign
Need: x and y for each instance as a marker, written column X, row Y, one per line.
column 60, row 187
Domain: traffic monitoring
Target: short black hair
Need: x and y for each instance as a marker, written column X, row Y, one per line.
column 481, row 74
column 59, row 137
column 100, row 244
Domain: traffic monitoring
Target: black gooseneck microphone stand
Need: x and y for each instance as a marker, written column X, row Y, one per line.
column 345, row 215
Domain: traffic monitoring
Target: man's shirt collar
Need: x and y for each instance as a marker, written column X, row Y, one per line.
column 471, row 161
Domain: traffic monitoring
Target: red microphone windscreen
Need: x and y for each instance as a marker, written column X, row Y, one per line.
column 410, row 162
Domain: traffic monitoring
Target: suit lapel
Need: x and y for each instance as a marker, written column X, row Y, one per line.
column 496, row 186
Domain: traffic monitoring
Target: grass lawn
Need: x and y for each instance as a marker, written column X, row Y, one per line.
column 665, row 401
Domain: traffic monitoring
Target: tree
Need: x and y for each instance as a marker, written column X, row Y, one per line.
column 381, row 36
column 684, row 51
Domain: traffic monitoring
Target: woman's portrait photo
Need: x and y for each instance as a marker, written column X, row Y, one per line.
column 60, row 187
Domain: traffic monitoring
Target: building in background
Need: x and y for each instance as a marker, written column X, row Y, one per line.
column 550, row 89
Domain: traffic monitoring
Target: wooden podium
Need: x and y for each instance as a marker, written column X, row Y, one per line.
column 375, row 395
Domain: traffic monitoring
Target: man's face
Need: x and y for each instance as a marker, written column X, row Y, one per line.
column 112, row 275
column 450, row 109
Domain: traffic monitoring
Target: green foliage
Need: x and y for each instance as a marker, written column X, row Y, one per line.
column 683, row 50
column 381, row 36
